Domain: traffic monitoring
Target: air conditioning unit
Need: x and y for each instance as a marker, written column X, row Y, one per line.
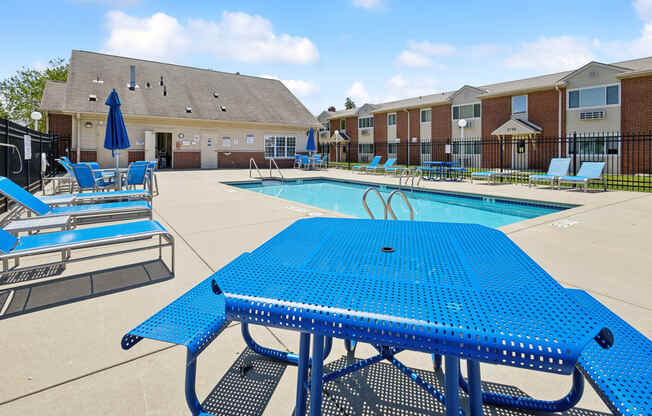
column 365, row 132
column 592, row 115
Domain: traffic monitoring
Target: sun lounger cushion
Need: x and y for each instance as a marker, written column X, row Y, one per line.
column 66, row 238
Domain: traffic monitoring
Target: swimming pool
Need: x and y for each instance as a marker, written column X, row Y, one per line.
column 346, row 198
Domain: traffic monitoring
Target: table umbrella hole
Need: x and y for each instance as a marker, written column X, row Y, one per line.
column 387, row 249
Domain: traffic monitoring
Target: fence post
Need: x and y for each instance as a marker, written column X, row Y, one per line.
column 574, row 147
column 6, row 149
column 27, row 173
column 500, row 153
column 348, row 155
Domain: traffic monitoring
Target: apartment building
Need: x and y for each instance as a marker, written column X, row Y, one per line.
column 182, row 116
column 596, row 98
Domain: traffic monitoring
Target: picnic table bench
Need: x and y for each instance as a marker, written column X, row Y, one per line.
column 621, row 374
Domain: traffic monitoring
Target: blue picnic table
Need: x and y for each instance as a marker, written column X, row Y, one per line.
column 461, row 291
column 441, row 170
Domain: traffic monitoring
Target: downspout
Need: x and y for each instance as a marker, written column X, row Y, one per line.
column 78, row 138
column 559, row 116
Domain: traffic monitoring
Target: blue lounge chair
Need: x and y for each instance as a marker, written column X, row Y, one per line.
column 388, row 164
column 136, row 175
column 319, row 161
column 558, row 167
column 87, row 179
column 374, row 162
column 306, row 162
column 490, row 177
column 82, row 214
column 297, row 160
column 66, row 242
column 589, row 172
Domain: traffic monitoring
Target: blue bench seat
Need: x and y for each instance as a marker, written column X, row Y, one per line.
column 622, row 374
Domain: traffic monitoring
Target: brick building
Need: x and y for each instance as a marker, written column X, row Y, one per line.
column 184, row 117
column 609, row 99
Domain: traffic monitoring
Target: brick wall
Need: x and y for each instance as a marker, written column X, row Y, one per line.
column 240, row 160
column 636, row 117
column 543, row 110
column 136, row 155
column 380, row 134
column 441, row 131
column 495, row 111
column 352, row 132
column 187, row 160
column 60, row 124
column 84, row 155
column 402, row 133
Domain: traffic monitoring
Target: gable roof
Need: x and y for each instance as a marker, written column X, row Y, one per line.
column 245, row 98
column 594, row 63
column 466, row 87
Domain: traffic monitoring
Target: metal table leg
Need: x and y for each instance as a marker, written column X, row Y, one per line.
column 302, row 377
column 317, row 375
column 475, row 388
column 452, row 387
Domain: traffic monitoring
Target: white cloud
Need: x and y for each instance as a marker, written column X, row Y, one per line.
column 419, row 54
column 358, row 92
column 399, row 87
column 552, row 54
column 299, row 87
column 368, row 4
column 113, row 3
column 237, row 36
column 643, row 8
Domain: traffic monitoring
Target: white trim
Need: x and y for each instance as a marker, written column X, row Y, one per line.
column 421, row 110
column 276, row 136
column 620, row 89
column 465, row 104
column 395, row 119
column 527, row 103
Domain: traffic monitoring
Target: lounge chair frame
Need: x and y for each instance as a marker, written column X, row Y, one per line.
column 165, row 239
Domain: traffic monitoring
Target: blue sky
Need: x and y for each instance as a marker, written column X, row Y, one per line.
column 372, row 50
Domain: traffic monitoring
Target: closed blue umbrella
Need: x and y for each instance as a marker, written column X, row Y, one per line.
column 310, row 146
column 116, row 134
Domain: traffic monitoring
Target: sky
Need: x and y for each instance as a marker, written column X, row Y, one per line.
column 371, row 50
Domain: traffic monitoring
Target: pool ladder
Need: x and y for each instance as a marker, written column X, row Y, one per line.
column 254, row 165
column 410, row 176
column 387, row 206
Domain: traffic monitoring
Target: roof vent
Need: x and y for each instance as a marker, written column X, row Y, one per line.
column 165, row 91
column 237, row 73
column 148, row 85
column 188, row 109
column 215, row 94
column 222, row 108
column 98, row 80
column 161, row 80
column 92, row 97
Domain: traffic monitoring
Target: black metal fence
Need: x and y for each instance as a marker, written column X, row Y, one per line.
column 627, row 158
column 26, row 172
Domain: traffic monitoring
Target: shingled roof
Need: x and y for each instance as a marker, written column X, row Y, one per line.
column 186, row 93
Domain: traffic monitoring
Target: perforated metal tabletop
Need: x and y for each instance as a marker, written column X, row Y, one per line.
column 454, row 289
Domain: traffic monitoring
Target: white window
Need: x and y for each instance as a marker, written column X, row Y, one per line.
column 280, row 147
column 365, row 122
column 426, row 116
column 392, row 149
column 391, row 119
column 365, row 148
column 594, row 97
column 466, row 111
column 519, row 104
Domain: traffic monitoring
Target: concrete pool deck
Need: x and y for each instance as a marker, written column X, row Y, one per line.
column 66, row 359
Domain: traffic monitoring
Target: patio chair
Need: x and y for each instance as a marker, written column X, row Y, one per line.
column 65, row 242
column 388, row 164
column 558, row 167
column 70, row 175
column 318, row 161
column 589, row 172
column 297, row 160
column 87, row 179
column 81, row 214
column 136, row 175
column 490, row 177
column 306, row 162
column 152, row 167
column 374, row 162
column 390, row 168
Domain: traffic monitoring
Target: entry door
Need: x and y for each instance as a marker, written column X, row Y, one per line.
column 150, row 145
column 208, row 153
column 520, row 153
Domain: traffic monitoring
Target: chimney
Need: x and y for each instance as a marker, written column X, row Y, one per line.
column 331, row 109
column 132, row 77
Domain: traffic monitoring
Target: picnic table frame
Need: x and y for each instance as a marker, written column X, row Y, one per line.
column 270, row 288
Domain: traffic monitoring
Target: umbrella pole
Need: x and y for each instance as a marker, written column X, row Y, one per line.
column 118, row 177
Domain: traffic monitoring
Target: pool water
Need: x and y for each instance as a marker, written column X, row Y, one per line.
column 346, row 198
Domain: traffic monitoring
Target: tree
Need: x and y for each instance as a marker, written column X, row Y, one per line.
column 21, row 93
column 349, row 104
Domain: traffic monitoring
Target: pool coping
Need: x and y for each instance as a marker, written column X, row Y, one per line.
column 523, row 201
